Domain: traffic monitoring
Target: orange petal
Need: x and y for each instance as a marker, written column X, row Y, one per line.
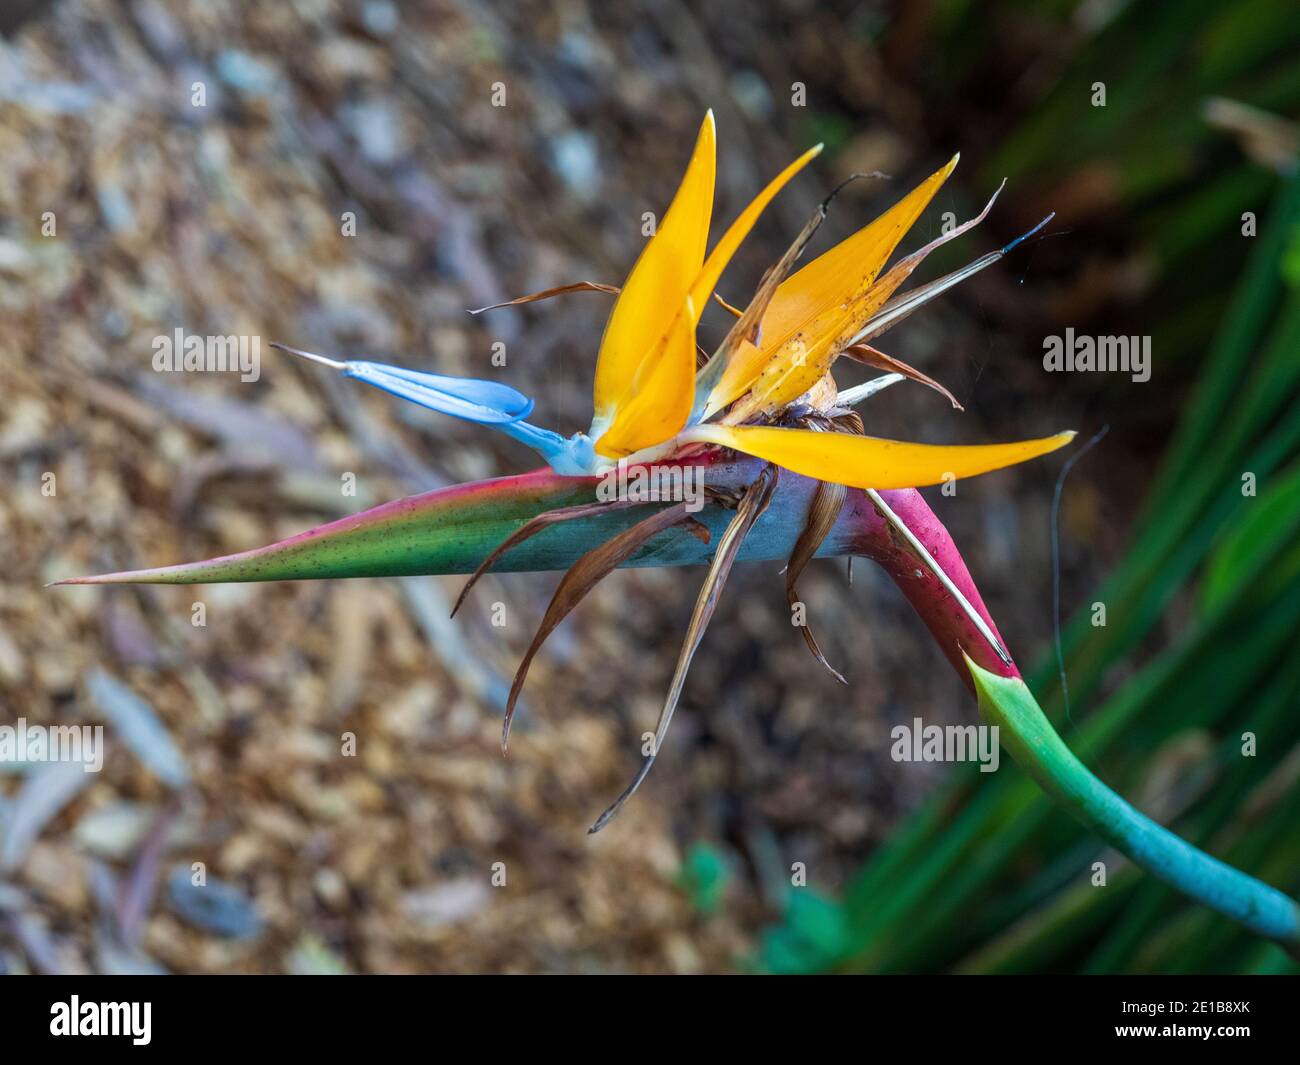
column 867, row 461
column 739, row 229
column 810, row 309
column 658, row 286
column 662, row 390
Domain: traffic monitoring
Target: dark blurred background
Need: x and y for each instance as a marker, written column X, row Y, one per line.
column 229, row 218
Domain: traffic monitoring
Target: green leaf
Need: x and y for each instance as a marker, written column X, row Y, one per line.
column 1267, row 529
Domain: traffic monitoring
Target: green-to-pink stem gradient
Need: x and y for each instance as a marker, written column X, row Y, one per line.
column 451, row 530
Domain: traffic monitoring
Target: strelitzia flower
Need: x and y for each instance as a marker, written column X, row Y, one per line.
column 766, row 391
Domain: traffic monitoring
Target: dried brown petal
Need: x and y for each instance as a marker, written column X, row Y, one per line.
column 546, row 294
column 822, row 514
column 580, row 578
column 752, row 504
column 869, row 356
column 532, row 528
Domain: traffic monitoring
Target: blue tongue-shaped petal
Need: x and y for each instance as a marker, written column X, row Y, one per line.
column 485, row 402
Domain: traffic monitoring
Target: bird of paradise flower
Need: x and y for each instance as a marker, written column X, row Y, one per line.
column 766, row 391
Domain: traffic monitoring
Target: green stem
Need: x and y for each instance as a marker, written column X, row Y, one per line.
column 1032, row 741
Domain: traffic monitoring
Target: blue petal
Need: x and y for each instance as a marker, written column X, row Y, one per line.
column 485, row 402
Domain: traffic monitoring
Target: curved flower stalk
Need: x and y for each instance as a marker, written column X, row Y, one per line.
column 1025, row 731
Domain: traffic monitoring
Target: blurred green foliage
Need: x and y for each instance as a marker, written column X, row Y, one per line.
column 704, row 876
